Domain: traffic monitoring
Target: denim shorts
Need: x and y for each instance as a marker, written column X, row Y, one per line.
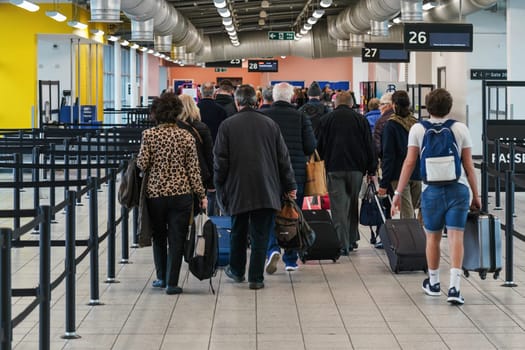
column 446, row 205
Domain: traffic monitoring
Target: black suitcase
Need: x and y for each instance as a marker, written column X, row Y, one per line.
column 326, row 245
column 482, row 245
column 404, row 242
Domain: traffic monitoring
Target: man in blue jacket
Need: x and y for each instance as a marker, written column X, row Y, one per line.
column 345, row 144
column 252, row 169
column 296, row 129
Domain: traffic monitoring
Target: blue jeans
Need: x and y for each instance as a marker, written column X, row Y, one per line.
column 290, row 255
column 257, row 224
column 445, row 205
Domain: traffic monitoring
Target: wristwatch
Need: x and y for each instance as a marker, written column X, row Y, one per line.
column 397, row 193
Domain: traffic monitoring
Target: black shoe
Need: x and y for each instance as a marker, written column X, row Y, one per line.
column 158, row 284
column 256, row 285
column 354, row 246
column 344, row 252
column 379, row 245
column 173, row 290
column 231, row 275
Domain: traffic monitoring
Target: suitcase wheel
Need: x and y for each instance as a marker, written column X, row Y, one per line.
column 466, row 273
column 483, row 274
column 496, row 275
column 396, row 270
column 334, row 260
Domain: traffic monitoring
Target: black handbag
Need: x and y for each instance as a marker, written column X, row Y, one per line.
column 370, row 214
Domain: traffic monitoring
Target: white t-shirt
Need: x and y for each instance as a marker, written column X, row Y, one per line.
column 461, row 133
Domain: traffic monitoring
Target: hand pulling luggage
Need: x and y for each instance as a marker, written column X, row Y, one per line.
column 326, row 245
column 404, row 241
column 482, row 245
column 224, row 228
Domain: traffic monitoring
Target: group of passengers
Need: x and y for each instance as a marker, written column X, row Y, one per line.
column 239, row 150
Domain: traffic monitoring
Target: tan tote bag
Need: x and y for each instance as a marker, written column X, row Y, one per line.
column 315, row 176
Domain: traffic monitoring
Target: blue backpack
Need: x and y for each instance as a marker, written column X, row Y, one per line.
column 440, row 155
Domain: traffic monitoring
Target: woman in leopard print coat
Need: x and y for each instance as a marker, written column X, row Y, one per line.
column 170, row 155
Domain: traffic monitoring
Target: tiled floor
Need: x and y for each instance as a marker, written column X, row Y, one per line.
column 356, row 303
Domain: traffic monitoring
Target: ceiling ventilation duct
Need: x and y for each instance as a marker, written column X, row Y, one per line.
column 179, row 52
column 451, row 10
column 142, row 30
column 357, row 40
column 189, row 58
column 343, row 45
column 163, row 43
column 356, row 18
column 105, row 11
column 379, row 28
column 167, row 21
column 411, row 10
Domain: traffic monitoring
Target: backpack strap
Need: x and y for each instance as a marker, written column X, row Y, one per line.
column 449, row 123
column 426, row 124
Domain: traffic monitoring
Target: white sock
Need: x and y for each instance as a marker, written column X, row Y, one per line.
column 455, row 277
column 433, row 276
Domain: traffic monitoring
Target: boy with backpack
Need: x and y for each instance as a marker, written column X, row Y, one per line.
column 444, row 147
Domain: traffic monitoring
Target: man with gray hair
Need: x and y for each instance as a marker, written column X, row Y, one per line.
column 251, row 171
column 300, row 140
column 267, row 98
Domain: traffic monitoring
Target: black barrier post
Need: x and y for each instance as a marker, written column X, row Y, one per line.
column 93, row 242
column 111, row 227
column 484, row 138
column 509, row 231
column 66, row 165
column 5, row 289
column 79, row 168
column 44, row 288
column 124, row 214
column 98, row 158
column 512, row 154
column 70, row 267
column 497, row 179
column 135, row 243
column 88, row 139
column 52, row 180
column 16, row 190
column 21, row 155
column 36, row 179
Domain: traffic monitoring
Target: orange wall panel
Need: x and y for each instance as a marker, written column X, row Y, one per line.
column 290, row 68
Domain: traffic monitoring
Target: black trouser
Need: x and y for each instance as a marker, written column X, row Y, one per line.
column 170, row 217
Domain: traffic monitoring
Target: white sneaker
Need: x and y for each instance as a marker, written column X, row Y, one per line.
column 291, row 268
column 271, row 264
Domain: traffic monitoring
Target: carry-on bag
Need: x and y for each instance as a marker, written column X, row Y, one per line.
column 482, row 245
column 404, row 242
column 326, row 245
column 224, row 228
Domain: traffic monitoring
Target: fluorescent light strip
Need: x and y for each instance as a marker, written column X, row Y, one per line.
column 97, row 32
column 77, row 24
column 26, row 5
column 57, row 16
column 113, row 38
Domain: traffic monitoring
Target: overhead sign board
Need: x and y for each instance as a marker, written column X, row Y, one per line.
column 438, row 37
column 384, row 52
column 263, row 66
column 488, row 74
column 236, row 62
column 281, row 35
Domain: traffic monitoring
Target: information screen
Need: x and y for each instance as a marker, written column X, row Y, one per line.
column 263, row 66
column 384, row 52
column 438, row 37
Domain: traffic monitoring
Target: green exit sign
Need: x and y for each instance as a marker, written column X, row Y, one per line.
column 281, row 35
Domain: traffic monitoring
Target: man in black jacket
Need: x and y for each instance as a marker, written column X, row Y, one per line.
column 345, row 144
column 251, row 170
column 224, row 97
column 296, row 129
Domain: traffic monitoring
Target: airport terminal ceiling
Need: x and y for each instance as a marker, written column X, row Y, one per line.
column 197, row 32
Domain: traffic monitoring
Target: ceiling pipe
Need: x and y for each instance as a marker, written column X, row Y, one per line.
column 451, row 11
column 142, row 30
column 167, row 21
column 411, row 11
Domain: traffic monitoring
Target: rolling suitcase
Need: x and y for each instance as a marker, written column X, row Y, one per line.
column 404, row 242
column 326, row 245
column 482, row 245
column 224, row 227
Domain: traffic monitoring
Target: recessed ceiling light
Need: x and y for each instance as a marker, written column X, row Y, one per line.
column 326, row 3
column 220, row 4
